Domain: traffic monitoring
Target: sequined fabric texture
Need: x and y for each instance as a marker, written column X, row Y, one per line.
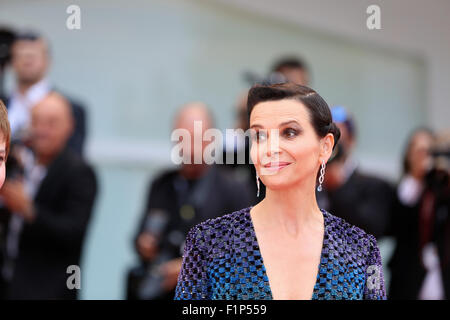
column 222, row 260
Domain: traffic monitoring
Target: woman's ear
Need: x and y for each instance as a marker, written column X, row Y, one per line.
column 326, row 149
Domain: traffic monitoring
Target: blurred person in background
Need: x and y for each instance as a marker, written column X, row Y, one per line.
column 361, row 199
column 30, row 61
column 6, row 40
column 286, row 69
column 49, row 207
column 293, row 69
column 420, row 265
column 177, row 200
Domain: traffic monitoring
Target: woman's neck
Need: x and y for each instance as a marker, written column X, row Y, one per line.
column 291, row 209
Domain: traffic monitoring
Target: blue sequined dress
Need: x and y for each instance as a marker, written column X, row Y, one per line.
column 222, row 260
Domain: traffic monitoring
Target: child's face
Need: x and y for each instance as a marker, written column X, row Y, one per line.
column 2, row 160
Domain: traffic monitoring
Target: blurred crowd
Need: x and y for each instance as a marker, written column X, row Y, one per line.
column 47, row 200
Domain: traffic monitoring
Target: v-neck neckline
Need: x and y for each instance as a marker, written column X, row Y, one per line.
column 253, row 231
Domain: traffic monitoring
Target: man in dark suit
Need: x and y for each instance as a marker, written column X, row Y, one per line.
column 420, row 263
column 49, row 208
column 177, row 200
column 30, row 60
column 361, row 199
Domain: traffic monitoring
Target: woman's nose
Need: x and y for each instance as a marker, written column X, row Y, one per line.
column 273, row 146
column 272, row 153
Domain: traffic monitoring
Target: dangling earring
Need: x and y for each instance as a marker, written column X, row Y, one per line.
column 322, row 176
column 257, row 184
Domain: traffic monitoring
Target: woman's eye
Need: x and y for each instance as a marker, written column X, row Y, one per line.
column 290, row 133
column 260, row 136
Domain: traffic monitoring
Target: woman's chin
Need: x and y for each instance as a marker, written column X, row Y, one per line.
column 278, row 182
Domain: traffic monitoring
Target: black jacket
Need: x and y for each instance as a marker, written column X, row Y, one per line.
column 220, row 195
column 215, row 194
column 363, row 200
column 407, row 269
column 54, row 240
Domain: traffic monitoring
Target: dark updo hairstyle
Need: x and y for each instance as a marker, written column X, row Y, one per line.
column 319, row 112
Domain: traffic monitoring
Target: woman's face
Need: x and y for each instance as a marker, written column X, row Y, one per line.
column 419, row 156
column 285, row 148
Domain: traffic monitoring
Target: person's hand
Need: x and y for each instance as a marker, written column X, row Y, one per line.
column 334, row 175
column 147, row 246
column 170, row 271
column 17, row 200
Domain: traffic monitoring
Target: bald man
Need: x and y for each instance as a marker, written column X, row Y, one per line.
column 50, row 209
column 177, row 200
column 185, row 119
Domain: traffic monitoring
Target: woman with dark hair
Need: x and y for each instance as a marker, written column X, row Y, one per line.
column 415, row 264
column 284, row 247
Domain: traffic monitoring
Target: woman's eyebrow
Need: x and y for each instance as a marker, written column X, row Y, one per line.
column 288, row 122
column 256, row 126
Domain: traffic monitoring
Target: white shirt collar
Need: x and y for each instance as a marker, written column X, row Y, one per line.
column 20, row 105
column 34, row 94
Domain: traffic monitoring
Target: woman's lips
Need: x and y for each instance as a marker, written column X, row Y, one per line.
column 275, row 166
